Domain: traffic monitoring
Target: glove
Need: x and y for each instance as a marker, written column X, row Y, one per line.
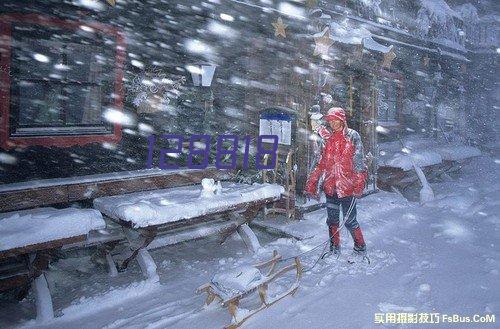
column 360, row 182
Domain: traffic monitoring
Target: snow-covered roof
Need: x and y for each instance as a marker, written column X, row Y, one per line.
column 371, row 44
column 377, row 26
column 157, row 207
column 341, row 32
column 439, row 9
column 28, row 227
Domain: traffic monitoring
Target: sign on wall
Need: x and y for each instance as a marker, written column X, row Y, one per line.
column 277, row 124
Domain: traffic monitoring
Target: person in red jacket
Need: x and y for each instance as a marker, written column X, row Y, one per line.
column 342, row 174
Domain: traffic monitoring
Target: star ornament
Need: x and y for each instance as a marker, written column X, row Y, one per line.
column 322, row 43
column 279, row 28
column 388, row 58
column 111, row 2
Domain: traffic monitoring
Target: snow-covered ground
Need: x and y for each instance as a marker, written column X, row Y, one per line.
column 442, row 257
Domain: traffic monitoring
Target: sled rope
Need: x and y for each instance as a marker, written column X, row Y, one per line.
column 325, row 243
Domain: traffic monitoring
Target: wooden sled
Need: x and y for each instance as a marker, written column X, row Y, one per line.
column 230, row 297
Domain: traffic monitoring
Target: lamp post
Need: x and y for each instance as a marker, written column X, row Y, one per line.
column 202, row 75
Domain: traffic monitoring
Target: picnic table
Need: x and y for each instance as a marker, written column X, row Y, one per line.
column 27, row 241
column 185, row 212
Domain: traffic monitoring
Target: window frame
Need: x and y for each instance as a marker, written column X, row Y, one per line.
column 8, row 140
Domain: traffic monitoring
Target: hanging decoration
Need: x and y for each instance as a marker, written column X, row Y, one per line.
column 279, row 28
column 425, row 61
column 349, row 60
column 351, row 96
column 312, row 3
column 322, row 42
column 358, row 52
column 463, row 68
column 388, row 58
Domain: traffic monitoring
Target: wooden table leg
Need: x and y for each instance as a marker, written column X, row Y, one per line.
column 249, row 238
column 138, row 241
column 105, row 252
column 241, row 221
column 39, row 262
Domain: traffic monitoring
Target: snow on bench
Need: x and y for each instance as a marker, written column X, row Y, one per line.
column 26, row 228
column 420, row 158
column 458, row 152
column 158, row 207
column 422, row 152
column 178, row 211
column 35, row 233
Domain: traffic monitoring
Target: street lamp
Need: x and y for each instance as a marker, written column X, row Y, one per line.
column 202, row 74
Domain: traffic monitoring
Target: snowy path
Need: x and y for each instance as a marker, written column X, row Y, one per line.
column 442, row 258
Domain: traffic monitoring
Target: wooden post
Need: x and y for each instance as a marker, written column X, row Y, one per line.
column 38, row 263
column 138, row 241
column 351, row 100
column 44, row 308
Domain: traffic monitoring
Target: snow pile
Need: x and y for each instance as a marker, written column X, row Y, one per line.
column 29, row 227
column 238, row 280
column 156, row 207
column 209, row 189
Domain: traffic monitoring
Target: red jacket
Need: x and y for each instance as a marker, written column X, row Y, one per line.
column 341, row 167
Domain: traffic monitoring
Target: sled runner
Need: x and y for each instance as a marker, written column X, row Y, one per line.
column 230, row 287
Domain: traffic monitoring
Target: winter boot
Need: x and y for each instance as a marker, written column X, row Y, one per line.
column 334, row 233
column 359, row 241
column 359, row 250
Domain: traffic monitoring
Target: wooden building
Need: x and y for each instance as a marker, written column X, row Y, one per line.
column 85, row 83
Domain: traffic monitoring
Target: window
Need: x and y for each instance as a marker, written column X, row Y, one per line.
column 62, row 76
column 388, row 102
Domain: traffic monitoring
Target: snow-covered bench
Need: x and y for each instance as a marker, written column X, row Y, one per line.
column 396, row 162
column 30, row 236
column 182, row 214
